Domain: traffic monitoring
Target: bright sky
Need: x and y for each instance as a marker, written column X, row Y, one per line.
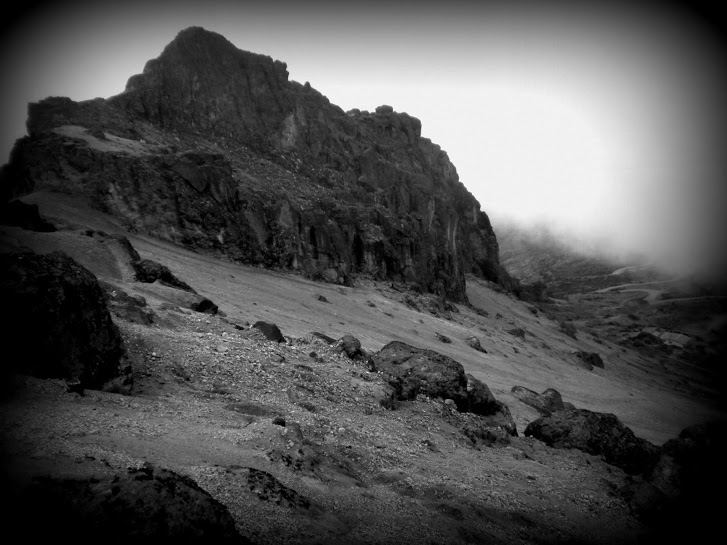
column 601, row 119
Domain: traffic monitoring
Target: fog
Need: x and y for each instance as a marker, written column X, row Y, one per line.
column 601, row 120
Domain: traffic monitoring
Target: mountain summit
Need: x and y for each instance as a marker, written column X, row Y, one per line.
column 215, row 149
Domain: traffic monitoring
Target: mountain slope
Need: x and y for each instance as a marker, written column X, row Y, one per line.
column 343, row 469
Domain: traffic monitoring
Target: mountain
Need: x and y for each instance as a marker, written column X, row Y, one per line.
column 163, row 382
column 214, row 148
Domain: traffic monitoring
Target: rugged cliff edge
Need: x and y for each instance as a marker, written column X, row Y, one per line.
column 215, row 149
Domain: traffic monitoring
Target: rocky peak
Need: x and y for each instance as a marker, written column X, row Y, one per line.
column 214, row 148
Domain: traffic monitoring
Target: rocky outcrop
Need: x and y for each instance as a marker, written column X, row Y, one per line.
column 214, row 148
column 595, row 433
column 149, row 504
column 412, row 371
column 60, row 325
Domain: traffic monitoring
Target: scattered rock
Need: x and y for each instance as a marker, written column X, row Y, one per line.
column 60, row 322
column 322, row 299
column 442, row 338
column 474, row 342
column 517, row 332
column 271, row 331
column 595, row 433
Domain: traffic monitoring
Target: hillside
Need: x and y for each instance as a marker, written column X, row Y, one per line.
column 208, row 388
column 241, row 315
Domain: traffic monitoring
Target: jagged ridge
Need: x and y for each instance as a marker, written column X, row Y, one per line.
column 214, row 148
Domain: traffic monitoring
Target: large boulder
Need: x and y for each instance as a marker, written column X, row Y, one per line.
column 691, row 462
column 596, row 433
column 412, row 371
column 59, row 324
column 677, row 499
column 147, row 504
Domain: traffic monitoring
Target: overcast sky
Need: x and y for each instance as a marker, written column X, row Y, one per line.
column 602, row 119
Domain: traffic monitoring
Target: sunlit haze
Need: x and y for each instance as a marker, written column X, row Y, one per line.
column 598, row 118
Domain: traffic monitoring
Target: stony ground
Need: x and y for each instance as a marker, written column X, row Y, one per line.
column 290, row 436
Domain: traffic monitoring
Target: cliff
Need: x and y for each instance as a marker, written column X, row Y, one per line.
column 215, row 149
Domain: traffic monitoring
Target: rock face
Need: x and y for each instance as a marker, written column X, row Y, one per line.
column 152, row 505
column 60, row 326
column 214, row 148
column 596, row 433
column 412, row 371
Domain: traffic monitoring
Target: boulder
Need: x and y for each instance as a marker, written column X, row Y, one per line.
column 590, row 359
column 205, row 306
column 412, row 371
column 548, row 402
column 60, row 324
column 148, row 271
column 677, row 499
column 691, row 462
column 474, row 342
column 595, row 433
column 351, row 346
column 271, row 331
column 150, row 505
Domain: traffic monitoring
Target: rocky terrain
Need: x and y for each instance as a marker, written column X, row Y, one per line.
column 314, row 438
column 242, row 315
